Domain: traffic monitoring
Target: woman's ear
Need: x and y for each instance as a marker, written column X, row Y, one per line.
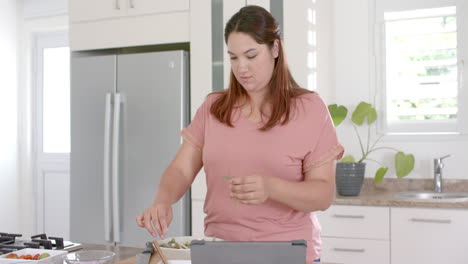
column 275, row 48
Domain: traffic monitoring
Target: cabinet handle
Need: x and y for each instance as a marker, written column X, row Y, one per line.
column 348, row 216
column 132, row 3
column 437, row 221
column 117, row 4
column 357, row 250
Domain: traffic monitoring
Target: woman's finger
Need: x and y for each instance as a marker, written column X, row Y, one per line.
column 163, row 223
column 147, row 221
column 243, row 188
column 157, row 224
column 244, row 196
column 139, row 220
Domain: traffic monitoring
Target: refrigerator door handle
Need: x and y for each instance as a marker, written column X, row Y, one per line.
column 106, row 176
column 115, row 168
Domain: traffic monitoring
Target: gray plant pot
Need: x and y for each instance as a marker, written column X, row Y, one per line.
column 349, row 178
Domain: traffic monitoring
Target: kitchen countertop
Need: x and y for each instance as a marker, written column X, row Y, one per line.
column 383, row 194
column 126, row 255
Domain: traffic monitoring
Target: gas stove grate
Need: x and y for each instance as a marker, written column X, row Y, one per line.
column 10, row 242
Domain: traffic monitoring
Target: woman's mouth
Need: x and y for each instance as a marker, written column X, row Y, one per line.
column 245, row 79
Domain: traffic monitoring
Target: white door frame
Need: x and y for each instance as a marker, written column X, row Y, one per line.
column 44, row 163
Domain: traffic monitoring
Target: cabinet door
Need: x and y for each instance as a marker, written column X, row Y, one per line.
column 355, row 251
column 85, row 10
column 140, row 7
column 429, row 236
column 355, row 222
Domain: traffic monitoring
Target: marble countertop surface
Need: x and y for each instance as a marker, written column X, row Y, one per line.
column 383, row 194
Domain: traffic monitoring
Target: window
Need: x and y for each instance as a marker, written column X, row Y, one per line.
column 421, row 68
column 53, row 93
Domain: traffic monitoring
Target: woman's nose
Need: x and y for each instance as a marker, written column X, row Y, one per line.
column 242, row 66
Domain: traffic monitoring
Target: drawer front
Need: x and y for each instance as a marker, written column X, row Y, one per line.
column 355, row 222
column 355, row 251
column 431, row 236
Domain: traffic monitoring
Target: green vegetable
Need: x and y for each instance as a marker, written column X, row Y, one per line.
column 44, row 255
column 173, row 244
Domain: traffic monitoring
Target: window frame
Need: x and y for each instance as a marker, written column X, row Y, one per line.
column 428, row 127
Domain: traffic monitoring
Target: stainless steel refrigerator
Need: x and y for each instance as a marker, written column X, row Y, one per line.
column 126, row 114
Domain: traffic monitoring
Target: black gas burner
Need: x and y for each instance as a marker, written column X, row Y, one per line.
column 9, row 243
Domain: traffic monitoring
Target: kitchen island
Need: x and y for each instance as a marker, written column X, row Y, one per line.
column 126, row 255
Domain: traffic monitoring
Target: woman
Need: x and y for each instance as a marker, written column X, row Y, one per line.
column 268, row 147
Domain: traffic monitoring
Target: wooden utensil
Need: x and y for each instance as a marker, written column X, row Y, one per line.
column 159, row 250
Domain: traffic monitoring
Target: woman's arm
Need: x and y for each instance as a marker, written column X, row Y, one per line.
column 315, row 193
column 179, row 175
column 174, row 182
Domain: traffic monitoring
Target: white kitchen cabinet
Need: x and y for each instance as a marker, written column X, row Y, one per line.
column 366, row 222
column 142, row 7
column 127, row 23
column 367, row 235
column 355, row 251
column 429, row 236
column 86, row 10
column 355, row 234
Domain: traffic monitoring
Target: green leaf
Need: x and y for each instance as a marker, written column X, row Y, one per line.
column 348, row 159
column 372, row 116
column 360, row 113
column 338, row 113
column 363, row 111
column 404, row 164
column 379, row 175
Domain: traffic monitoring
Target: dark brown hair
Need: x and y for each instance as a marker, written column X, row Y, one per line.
column 259, row 24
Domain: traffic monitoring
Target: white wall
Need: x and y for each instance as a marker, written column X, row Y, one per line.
column 8, row 68
column 354, row 81
column 42, row 8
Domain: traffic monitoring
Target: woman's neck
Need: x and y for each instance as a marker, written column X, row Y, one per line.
column 253, row 109
column 256, row 100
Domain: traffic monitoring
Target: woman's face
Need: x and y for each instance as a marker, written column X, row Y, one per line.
column 251, row 63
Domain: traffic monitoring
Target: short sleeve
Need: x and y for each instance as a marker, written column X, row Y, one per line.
column 194, row 133
column 323, row 147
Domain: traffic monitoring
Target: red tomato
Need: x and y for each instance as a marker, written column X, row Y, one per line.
column 36, row 257
column 28, row 256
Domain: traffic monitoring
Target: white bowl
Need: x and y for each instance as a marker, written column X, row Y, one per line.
column 54, row 258
column 181, row 254
column 90, row 257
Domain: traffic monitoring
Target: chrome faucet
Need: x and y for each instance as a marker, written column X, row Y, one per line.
column 438, row 165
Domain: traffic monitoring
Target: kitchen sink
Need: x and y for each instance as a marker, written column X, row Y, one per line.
column 432, row 196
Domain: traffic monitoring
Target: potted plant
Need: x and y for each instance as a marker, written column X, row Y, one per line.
column 350, row 171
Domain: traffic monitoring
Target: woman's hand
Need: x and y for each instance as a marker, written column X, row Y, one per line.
column 158, row 216
column 251, row 189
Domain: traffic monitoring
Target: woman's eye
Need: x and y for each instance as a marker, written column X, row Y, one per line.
column 233, row 58
column 251, row 57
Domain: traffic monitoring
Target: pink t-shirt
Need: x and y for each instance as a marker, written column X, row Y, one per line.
column 285, row 151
